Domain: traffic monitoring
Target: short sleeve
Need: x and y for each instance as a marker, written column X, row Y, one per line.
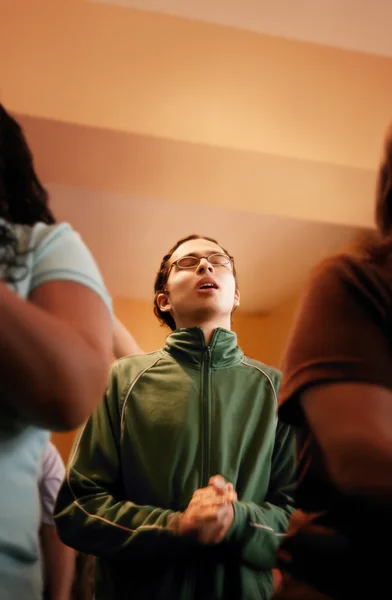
column 50, row 479
column 59, row 254
column 341, row 332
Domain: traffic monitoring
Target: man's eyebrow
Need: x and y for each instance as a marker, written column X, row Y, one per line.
column 202, row 253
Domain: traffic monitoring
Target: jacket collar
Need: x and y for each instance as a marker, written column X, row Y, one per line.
column 189, row 346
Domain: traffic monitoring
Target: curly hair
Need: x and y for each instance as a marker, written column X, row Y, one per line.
column 163, row 274
column 23, row 199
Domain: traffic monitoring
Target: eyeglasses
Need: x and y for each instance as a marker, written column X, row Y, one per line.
column 190, row 262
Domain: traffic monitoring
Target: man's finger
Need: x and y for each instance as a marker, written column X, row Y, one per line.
column 231, row 496
column 218, row 482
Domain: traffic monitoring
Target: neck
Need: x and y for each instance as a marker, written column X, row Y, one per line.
column 208, row 327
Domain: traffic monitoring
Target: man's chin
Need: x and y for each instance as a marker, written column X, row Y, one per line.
column 204, row 313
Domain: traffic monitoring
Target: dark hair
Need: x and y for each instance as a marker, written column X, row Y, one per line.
column 384, row 189
column 163, row 274
column 23, row 199
column 377, row 245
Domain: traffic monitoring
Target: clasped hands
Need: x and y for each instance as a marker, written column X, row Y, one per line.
column 210, row 513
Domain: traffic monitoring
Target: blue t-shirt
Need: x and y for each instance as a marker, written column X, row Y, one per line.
column 46, row 253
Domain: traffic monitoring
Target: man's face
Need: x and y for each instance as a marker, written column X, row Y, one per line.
column 202, row 292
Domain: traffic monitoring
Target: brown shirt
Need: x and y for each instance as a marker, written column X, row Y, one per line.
column 342, row 333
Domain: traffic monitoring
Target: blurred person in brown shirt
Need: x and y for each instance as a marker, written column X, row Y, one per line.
column 337, row 392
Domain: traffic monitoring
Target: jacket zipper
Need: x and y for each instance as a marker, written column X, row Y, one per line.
column 205, row 449
column 206, row 421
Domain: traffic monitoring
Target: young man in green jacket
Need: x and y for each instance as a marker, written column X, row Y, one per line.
column 181, row 482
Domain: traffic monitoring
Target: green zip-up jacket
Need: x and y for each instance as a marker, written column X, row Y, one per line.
column 169, row 421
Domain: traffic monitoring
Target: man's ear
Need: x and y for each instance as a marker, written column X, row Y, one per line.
column 163, row 302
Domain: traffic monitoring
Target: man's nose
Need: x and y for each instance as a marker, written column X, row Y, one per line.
column 204, row 266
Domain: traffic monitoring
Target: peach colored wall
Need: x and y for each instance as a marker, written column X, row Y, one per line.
column 261, row 336
column 276, row 329
column 138, row 317
column 63, row 443
column 256, row 333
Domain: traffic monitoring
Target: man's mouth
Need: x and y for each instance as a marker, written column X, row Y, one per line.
column 206, row 286
column 207, row 283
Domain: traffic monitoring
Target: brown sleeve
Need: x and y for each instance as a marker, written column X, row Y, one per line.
column 340, row 332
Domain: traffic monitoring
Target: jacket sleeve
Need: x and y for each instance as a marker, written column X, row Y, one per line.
column 257, row 530
column 91, row 513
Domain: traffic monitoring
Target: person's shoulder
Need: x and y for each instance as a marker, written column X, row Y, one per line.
column 57, row 242
column 59, row 236
column 262, row 367
column 30, row 238
column 350, row 268
column 59, row 253
column 271, row 374
column 33, row 237
column 130, row 367
column 338, row 267
column 362, row 277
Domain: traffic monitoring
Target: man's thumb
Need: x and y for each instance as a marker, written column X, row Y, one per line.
column 218, row 482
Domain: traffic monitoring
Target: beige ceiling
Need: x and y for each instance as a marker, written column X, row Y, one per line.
column 148, row 127
column 362, row 25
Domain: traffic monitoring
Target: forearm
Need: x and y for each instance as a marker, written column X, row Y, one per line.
column 98, row 524
column 358, row 466
column 47, row 367
column 257, row 532
column 59, row 563
column 259, row 527
column 357, row 444
column 124, row 343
